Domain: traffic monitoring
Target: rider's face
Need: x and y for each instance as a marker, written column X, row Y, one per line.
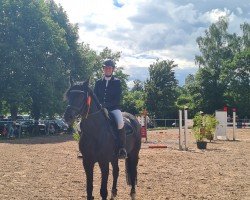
column 108, row 70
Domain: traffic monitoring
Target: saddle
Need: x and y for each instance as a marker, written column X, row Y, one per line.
column 127, row 124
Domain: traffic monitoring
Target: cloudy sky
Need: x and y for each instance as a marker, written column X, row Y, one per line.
column 144, row 30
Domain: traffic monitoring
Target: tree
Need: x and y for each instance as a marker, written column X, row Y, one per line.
column 238, row 90
column 74, row 59
column 160, row 88
column 214, row 50
column 134, row 102
column 138, row 85
column 223, row 74
column 35, row 55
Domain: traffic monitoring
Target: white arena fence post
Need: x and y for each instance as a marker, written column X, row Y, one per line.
column 180, row 130
column 234, row 123
column 183, row 134
column 185, row 128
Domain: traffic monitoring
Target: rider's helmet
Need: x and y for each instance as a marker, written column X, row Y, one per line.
column 108, row 63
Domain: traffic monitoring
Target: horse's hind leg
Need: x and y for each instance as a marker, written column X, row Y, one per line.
column 115, row 177
column 88, row 167
column 105, row 173
column 131, row 167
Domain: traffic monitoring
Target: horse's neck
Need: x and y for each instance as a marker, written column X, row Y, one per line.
column 95, row 105
column 96, row 119
column 95, row 111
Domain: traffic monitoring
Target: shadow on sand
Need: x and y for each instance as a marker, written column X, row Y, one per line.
column 45, row 139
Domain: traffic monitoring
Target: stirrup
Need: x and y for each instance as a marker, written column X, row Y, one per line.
column 122, row 153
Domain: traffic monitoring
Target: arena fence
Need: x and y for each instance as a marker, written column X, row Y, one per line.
column 174, row 123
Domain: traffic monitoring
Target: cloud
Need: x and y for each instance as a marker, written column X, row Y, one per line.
column 144, row 30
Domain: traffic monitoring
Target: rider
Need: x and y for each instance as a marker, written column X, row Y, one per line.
column 108, row 91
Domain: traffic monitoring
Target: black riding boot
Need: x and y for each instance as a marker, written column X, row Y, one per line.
column 122, row 143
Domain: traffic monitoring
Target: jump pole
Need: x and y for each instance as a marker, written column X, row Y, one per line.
column 234, row 120
column 183, row 135
column 180, row 129
column 185, row 129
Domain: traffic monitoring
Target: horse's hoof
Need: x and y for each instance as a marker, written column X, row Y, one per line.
column 113, row 194
column 133, row 194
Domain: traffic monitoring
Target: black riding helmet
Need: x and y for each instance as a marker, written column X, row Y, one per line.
column 108, row 63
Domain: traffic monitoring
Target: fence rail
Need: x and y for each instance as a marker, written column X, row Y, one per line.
column 166, row 123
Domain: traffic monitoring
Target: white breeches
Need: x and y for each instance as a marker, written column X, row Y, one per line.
column 118, row 118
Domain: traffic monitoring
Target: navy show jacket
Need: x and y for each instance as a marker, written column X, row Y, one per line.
column 110, row 96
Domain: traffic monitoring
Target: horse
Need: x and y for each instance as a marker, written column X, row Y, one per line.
column 98, row 143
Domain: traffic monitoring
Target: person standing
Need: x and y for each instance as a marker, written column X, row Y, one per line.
column 108, row 91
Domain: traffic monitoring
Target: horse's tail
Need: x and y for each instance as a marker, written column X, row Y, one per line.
column 127, row 171
column 131, row 171
column 131, row 161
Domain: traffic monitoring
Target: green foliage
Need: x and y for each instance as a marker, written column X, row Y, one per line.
column 76, row 136
column 204, row 127
column 38, row 46
column 161, row 89
column 223, row 74
column 134, row 102
column 237, row 75
column 214, row 51
column 138, row 85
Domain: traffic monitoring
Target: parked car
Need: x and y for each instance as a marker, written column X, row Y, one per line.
column 21, row 117
column 59, row 125
column 28, row 127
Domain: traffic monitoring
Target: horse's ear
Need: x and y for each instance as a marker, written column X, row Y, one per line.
column 71, row 81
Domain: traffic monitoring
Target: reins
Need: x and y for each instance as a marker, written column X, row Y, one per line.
column 88, row 104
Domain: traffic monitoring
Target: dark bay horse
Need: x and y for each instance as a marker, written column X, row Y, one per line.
column 98, row 141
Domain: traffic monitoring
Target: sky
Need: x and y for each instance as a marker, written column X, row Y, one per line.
column 146, row 30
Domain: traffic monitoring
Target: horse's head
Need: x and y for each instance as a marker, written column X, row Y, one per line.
column 76, row 96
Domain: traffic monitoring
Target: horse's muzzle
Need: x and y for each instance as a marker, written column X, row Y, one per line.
column 69, row 116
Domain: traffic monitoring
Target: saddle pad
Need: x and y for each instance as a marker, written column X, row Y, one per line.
column 127, row 124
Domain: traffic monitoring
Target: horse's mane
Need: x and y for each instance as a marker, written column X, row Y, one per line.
column 95, row 97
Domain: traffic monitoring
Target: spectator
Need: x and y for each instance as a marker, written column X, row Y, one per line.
column 10, row 131
column 52, row 129
column 15, row 132
column 5, row 132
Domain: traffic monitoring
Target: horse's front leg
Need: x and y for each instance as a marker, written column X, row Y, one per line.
column 104, row 166
column 89, row 167
column 115, row 178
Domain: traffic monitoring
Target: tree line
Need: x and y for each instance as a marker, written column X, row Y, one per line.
column 40, row 49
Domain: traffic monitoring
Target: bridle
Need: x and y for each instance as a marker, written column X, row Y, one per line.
column 84, row 108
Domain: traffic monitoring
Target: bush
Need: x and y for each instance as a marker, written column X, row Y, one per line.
column 204, row 127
